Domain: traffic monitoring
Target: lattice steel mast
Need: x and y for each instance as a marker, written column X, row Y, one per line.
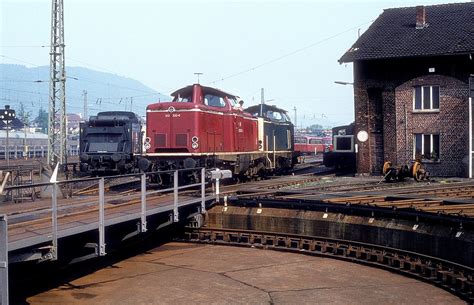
column 57, row 135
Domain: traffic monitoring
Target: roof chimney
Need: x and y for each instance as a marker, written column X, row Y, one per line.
column 420, row 17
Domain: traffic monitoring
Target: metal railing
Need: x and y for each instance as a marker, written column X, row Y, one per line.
column 100, row 206
column 101, row 246
column 3, row 260
column 100, row 225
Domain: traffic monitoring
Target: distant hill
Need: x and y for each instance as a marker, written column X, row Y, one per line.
column 105, row 91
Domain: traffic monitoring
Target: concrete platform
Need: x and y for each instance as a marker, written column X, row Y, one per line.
column 179, row 273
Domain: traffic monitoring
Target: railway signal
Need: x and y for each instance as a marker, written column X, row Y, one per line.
column 7, row 115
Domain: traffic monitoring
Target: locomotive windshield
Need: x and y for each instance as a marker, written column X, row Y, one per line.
column 214, row 100
column 343, row 143
column 110, row 142
column 187, row 98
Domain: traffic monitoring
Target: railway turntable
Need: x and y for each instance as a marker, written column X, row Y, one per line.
column 421, row 229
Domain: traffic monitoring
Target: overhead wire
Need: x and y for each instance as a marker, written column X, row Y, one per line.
column 289, row 54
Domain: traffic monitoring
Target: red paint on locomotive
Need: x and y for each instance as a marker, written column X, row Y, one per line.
column 200, row 120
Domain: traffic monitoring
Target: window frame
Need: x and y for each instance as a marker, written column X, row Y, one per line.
column 335, row 143
column 222, row 101
column 422, row 97
column 299, row 138
column 312, row 140
column 422, row 144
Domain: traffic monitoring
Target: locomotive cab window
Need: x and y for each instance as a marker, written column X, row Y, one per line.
column 104, row 142
column 187, row 98
column 344, row 143
column 214, row 101
column 232, row 101
column 276, row 116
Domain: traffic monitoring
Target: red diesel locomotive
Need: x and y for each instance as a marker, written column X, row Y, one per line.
column 207, row 127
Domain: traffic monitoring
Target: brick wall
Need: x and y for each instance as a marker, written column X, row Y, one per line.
column 390, row 135
column 375, row 113
column 451, row 123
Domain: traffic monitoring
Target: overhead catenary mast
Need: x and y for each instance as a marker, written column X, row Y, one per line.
column 57, row 89
column 84, row 94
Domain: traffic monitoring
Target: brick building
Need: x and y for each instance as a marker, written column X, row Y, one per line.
column 411, row 88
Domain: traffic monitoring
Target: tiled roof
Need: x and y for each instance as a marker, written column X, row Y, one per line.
column 449, row 30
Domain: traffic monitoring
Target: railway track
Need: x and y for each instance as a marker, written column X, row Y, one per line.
column 455, row 278
column 110, row 184
column 456, row 198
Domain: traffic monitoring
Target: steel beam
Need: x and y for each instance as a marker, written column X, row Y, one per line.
column 57, row 88
column 143, row 228
column 203, row 190
column 3, row 260
column 175, row 202
column 54, row 221
column 102, row 217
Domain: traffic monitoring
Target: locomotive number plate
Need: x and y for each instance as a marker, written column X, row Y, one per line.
column 174, row 115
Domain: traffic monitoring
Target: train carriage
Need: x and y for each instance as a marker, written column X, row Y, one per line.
column 307, row 145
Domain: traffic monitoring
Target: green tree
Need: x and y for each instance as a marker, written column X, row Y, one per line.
column 23, row 115
column 316, row 129
column 42, row 120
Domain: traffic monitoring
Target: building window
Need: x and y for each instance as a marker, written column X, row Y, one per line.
column 426, row 98
column 426, row 146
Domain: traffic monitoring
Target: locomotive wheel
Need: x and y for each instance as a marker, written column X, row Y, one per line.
column 389, row 172
column 415, row 171
column 386, row 167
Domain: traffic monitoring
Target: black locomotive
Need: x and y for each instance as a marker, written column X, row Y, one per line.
column 109, row 141
column 276, row 134
column 343, row 156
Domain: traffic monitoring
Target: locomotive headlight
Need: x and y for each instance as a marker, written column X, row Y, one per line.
column 116, row 157
column 147, row 146
column 84, row 157
column 195, row 145
column 147, row 140
column 194, row 139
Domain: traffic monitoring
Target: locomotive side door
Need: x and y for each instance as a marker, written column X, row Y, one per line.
column 214, row 122
column 240, row 133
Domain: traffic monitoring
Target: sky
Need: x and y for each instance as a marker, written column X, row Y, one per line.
column 288, row 48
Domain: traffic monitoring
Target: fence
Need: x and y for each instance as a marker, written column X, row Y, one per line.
column 101, row 223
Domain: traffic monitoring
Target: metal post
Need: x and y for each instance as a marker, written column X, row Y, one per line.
column 470, row 137
column 175, row 206
column 3, row 260
column 471, row 96
column 57, row 88
column 217, row 189
column 8, row 150
column 101, row 217
column 84, row 94
column 203, row 190
column 296, row 124
column 143, row 201
column 54, row 221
